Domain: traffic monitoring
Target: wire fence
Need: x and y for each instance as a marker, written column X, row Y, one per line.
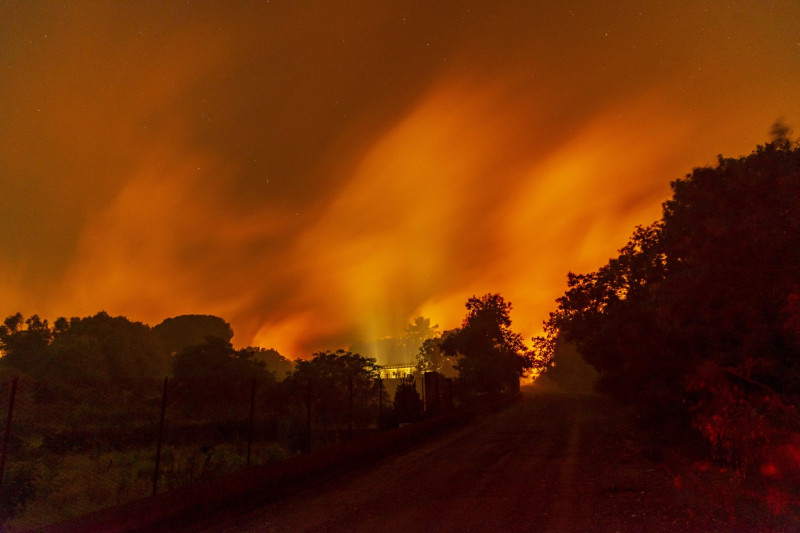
column 72, row 448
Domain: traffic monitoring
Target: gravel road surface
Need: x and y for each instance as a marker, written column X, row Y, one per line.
column 553, row 462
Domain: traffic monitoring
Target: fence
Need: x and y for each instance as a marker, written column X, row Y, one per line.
column 72, row 448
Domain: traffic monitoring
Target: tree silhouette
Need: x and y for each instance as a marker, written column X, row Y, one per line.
column 492, row 358
column 431, row 357
column 732, row 240
column 91, row 348
column 213, row 378
column 26, row 349
column 77, row 358
column 418, row 332
column 709, row 290
column 129, row 349
column 188, row 330
column 407, row 403
column 273, row 361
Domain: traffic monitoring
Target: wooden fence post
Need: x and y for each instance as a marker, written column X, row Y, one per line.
column 380, row 404
column 250, row 421
column 7, row 432
column 160, row 437
column 308, row 417
column 350, row 407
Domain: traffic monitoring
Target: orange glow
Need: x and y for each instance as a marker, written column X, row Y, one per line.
column 318, row 175
column 429, row 213
column 434, row 212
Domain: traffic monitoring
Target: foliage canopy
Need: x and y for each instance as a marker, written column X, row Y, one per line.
column 491, row 357
column 710, row 289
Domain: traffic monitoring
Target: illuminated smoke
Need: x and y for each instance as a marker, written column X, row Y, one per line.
column 454, row 199
column 270, row 165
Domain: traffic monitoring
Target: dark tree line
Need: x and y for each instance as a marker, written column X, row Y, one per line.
column 702, row 304
column 90, row 348
column 102, row 347
column 484, row 354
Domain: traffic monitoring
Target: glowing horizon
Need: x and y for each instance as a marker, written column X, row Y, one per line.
column 318, row 176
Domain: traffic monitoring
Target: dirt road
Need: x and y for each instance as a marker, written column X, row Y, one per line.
column 553, row 462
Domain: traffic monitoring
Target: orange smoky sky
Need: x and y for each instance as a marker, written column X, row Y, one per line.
column 319, row 173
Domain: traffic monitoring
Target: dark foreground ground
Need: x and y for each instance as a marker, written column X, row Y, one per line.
column 553, row 462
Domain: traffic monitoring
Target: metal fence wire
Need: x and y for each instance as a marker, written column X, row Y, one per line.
column 74, row 447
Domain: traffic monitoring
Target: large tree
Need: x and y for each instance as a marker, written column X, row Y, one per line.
column 431, row 357
column 713, row 280
column 696, row 314
column 732, row 241
column 273, row 361
column 24, row 344
column 214, row 379
column 610, row 316
column 183, row 331
column 491, row 357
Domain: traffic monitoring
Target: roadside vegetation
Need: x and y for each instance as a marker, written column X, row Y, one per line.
column 697, row 322
column 88, row 394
